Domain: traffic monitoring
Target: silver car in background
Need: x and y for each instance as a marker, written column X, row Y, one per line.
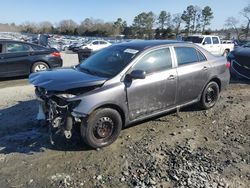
column 127, row 83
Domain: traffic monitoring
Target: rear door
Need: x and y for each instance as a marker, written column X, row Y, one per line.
column 193, row 73
column 157, row 91
column 17, row 59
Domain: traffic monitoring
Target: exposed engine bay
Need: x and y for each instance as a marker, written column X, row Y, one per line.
column 57, row 112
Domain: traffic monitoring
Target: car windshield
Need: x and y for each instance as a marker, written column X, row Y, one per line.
column 194, row 39
column 109, row 62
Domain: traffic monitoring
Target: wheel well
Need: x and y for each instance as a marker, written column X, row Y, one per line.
column 227, row 49
column 217, row 80
column 38, row 62
column 117, row 108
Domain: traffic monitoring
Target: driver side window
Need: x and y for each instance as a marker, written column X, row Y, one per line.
column 157, row 60
column 95, row 43
column 208, row 40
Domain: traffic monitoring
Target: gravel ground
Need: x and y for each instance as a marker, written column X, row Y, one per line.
column 192, row 149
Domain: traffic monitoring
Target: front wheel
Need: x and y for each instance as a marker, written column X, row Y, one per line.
column 210, row 95
column 102, row 127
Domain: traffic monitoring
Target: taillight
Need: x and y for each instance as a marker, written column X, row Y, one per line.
column 56, row 54
column 228, row 64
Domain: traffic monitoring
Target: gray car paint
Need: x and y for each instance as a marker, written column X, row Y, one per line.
column 138, row 100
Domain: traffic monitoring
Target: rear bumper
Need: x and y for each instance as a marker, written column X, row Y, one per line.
column 225, row 80
column 55, row 62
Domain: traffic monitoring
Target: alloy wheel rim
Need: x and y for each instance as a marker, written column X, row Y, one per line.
column 40, row 67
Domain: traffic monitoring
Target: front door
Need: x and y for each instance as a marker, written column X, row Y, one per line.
column 17, row 58
column 207, row 44
column 157, row 91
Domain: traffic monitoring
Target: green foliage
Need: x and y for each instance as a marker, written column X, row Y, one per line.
column 143, row 25
column 207, row 16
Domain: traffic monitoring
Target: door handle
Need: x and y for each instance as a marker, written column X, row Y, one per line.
column 171, row 77
column 205, row 68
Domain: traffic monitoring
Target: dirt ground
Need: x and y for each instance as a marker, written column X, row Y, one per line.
column 193, row 149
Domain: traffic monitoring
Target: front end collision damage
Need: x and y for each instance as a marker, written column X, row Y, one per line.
column 57, row 109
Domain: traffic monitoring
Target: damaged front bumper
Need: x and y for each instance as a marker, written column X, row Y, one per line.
column 58, row 112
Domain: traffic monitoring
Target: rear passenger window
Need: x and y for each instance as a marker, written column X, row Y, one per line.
column 17, row 47
column 201, row 56
column 38, row 48
column 96, row 43
column 215, row 40
column 158, row 60
column 186, row 55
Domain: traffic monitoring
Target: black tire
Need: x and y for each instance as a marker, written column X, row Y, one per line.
column 102, row 128
column 210, row 95
column 36, row 65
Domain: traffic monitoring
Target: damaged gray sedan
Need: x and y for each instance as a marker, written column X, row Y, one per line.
column 127, row 83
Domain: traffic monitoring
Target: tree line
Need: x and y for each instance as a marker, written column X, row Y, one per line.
column 146, row 25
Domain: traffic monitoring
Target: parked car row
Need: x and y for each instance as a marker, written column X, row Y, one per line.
column 20, row 58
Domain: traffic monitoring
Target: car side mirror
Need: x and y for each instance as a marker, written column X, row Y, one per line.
column 137, row 74
column 204, row 43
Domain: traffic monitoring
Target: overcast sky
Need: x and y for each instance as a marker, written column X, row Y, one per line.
column 20, row 11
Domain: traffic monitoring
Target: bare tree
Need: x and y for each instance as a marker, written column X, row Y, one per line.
column 233, row 23
column 45, row 27
column 29, row 27
column 246, row 13
column 67, row 26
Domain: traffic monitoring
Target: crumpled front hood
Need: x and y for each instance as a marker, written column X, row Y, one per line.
column 64, row 79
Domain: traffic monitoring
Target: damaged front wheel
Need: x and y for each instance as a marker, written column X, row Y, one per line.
column 102, row 127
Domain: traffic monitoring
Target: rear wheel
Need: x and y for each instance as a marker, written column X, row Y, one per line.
column 210, row 95
column 39, row 66
column 102, row 127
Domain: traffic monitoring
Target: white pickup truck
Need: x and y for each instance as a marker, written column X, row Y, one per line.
column 211, row 43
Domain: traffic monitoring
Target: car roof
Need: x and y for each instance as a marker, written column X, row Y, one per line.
column 202, row 36
column 145, row 44
column 9, row 40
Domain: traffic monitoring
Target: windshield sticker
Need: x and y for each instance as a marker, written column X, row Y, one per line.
column 131, row 51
